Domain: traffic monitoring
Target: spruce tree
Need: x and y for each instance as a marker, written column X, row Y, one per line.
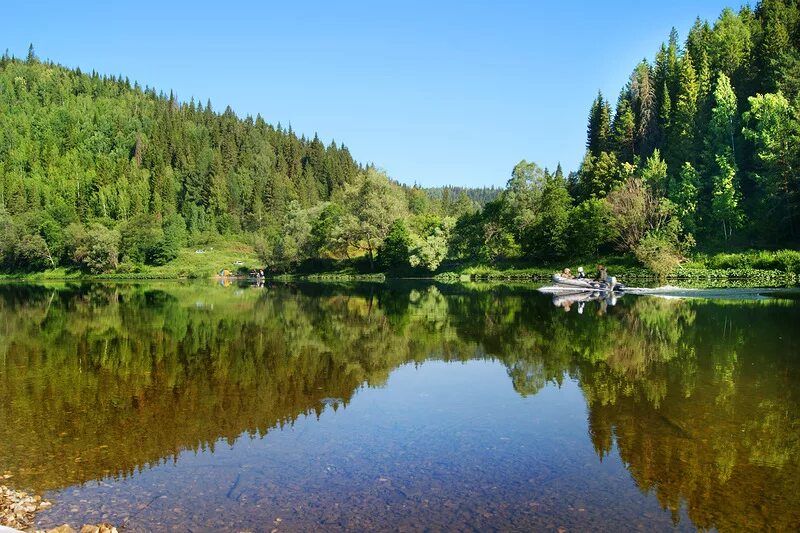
column 623, row 129
column 599, row 129
column 643, row 98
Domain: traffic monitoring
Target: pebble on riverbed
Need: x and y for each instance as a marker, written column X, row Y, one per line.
column 18, row 508
column 88, row 528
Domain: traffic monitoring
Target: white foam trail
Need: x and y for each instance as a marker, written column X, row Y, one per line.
column 664, row 289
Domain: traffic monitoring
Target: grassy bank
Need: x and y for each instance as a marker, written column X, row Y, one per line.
column 191, row 263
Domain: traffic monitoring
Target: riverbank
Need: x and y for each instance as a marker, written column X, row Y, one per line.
column 18, row 511
column 743, row 269
column 754, row 268
column 18, row 508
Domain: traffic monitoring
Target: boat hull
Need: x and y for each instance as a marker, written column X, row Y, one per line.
column 584, row 284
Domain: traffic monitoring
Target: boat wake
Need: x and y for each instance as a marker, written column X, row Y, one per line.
column 672, row 291
column 663, row 290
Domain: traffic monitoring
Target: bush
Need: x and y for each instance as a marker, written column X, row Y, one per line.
column 32, row 254
column 659, row 253
column 95, row 250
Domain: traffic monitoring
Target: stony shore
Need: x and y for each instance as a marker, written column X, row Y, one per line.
column 18, row 510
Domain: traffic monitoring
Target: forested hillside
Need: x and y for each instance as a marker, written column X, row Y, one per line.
column 701, row 150
column 712, row 124
column 81, row 154
column 97, row 172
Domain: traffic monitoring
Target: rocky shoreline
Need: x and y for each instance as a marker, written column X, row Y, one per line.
column 18, row 510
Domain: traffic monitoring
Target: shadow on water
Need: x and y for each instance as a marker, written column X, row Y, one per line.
column 699, row 399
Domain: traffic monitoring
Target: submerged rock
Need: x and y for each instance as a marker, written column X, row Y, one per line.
column 62, row 529
column 99, row 528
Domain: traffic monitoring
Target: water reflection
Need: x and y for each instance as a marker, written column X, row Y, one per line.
column 699, row 399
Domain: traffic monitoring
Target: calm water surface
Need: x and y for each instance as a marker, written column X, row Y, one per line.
column 196, row 407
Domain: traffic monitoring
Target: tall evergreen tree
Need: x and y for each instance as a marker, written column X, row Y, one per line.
column 623, row 128
column 643, row 96
column 599, row 129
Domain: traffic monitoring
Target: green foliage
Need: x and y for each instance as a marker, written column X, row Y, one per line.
column 138, row 238
column 547, row 235
column 429, row 249
column 599, row 130
column 394, row 251
column 95, row 249
column 85, row 158
column 725, row 201
column 738, row 183
column 325, row 234
column 773, row 127
column 731, row 43
column 654, row 173
column 373, row 204
column 659, row 251
column 783, row 260
column 590, row 228
column 174, row 238
column 32, row 253
column 684, row 191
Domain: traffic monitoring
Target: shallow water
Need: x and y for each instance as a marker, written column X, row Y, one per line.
column 193, row 407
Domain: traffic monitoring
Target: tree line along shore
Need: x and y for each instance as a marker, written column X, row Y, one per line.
column 691, row 173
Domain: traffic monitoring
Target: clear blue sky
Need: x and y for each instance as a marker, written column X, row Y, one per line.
column 433, row 92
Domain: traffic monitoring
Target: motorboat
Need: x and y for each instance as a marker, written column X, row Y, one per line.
column 584, row 284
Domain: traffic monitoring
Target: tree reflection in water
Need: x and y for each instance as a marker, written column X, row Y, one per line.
column 700, row 398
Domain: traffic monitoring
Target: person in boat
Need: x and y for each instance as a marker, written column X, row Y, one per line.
column 581, row 274
column 602, row 274
column 567, row 274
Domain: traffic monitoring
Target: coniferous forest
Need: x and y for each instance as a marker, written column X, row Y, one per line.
column 699, row 152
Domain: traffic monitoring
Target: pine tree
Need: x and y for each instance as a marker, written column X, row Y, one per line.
column 31, row 58
column 599, row 129
column 644, row 102
column 623, row 129
column 665, row 110
column 654, row 173
column 698, row 38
